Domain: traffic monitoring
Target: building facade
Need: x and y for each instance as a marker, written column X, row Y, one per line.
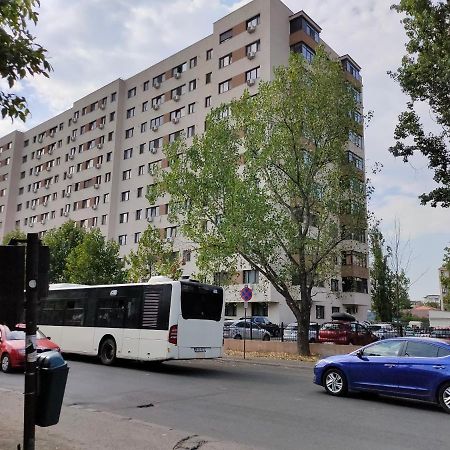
column 94, row 162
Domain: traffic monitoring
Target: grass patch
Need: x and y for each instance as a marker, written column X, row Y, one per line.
column 272, row 355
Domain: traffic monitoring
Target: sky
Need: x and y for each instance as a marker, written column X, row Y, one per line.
column 93, row 42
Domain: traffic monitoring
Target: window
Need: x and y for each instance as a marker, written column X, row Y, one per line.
column 106, row 198
column 179, row 69
column 190, row 131
column 104, row 219
column 334, row 284
column 354, row 284
column 170, row 232
column 156, row 122
column 310, row 31
column 112, row 116
column 143, row 127
column 225, row 61
column 139, row 192
column 350, row 68
column 421, row 350
column 126, row 174
column 252, row 74
column 125, row 196
column 192, row 85
column 110, row 136
column 209, row 54
column 230, row 309
column 207, row 101
column 387, row 348
column 253, row 47
column 150, row 212
column 141, row 170
column 224, row 86
column 260, row 309
column 208, row 78
column 137, row 237
column 142, row 148
column 355, row 160
column 123, row 218
column 193, row 62
column 320, row 312
column 253, row 21
column 131, row 112
column 144, row 106
column 107, row 177
column 226, row 35
column 174, row 136
column 251, row 276
column 123, row 239
column 138, row 214
column 356, row 139
column 146, row 85
column 155, row 144
column 335, row 309
column 304, row 50
column 129, row 133
column 177, row 113
column 128, row 153
column 191, row 108
column 131, row 92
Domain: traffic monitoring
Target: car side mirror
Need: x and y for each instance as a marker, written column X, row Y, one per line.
column 360, row 353
column 48, row 337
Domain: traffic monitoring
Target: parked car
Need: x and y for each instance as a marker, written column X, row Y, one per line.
column 245, row 328
column 410, row 367
column 290, row 332
column 12, row 347
column 265, row 323
column 441, row 333
column 383, row 330
column 343, row 332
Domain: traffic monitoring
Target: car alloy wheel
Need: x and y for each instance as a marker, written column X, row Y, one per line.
column 444, row 397
column 335, row 382
column 5, row 363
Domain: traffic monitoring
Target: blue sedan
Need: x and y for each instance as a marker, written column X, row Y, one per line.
column 417, row 368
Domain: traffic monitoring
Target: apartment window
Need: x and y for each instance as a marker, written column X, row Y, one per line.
column 191, row 108
column 128, row 153
column 107, row 177
column 180, row 90
column 208, row 78
column 356, row 139
column 193, row 62
column 356, row 94
column 209, row 54
column 186, row 256
column 225, row 61
column 225, row 36
column 170, row 232
column 156, row 122
column 252, row 74
column 253, row 21
column 207, row 101
column 106, row 198
column 123, row 239
column 131, row 92
column 349, row 67
column 320, row 312
column 253, row 47
column 334, row 285
column 174, row 136
column 137, row 237
column 143, row 127
column 310, row 31
column 224, row 86
column 159, row 79
column 144, row 106
column 110, row 136
column 251, row 276
column 354, row 284
column 139, row 192
column 155, row 144
column 190, row 131
column 104, row 219
column 131, row 112
column 355, row 160
column 146, row 85
column 125, row 196
column 176, row 114
column 112, row 116
column 179, row 69
column 151, row 212
column 129, row 133
column 192, row 85
column 126, row 174
column 123, row 218
column 335, row 309
column 141, row 170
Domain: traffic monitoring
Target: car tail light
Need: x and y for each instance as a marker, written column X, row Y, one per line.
column 173, row 334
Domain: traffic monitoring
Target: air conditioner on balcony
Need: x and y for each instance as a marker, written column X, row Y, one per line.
column 31, row 224
column 43, row 221
column 71, row 156
column 101, row 126
column 96, row 186
column 175, row 120
column 36, row 173
column 65, row 213
column 73, row 138
column 177, row 75
column 94, row 207
column 47, row 186
column 69, row 175
column 150, row 219
column 251, row 28
column 98, row 166
column 35, row 190
column 154, row 128
column 67, row 194
column 40, row 138
column 251, row 55
column 38, row 156
column 33, row 207
column 155, row 106
column 156, row 84
column 50, row 151
column 99, row 145
column 251, row 82
column 102, row 106
column 48, row 169
column 154, row 150
column 75, row 119
column 45, row 202
column 176, row 98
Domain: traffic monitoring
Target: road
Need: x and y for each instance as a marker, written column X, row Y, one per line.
column 271, row 407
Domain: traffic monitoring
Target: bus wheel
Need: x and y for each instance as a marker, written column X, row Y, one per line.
column 107, row 351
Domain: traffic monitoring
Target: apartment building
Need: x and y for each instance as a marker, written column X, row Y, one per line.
column 94, row 162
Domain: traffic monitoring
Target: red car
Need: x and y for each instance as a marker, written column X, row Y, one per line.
column 342, row 332
column 12, row 347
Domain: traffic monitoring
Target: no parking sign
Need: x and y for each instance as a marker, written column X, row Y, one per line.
column 246, row 295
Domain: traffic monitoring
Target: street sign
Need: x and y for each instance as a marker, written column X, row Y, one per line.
column 246, row 293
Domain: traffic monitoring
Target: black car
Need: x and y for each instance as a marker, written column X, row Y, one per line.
column 265, row 323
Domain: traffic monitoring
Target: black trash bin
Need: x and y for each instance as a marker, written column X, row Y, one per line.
column 52, row 373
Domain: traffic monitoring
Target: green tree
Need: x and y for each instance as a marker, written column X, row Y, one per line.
column 61, row 242
column 445, row 279
column 14, row 234
column 380, row 277
column 95, row 261
column 20, row 55
column 266, row 182
column 425, row 76
column 153, row 257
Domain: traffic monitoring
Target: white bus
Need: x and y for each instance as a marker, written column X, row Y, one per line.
column 155, row 321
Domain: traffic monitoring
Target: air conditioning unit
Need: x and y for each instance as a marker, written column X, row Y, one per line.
column 36, row 173
column 102, row 106
column 176, row 98
column 69, row 175
column 251, row 28
column 50, row 151
column 251, row 82
column 155, row 106
column 48, row 169
column 35, row 190
column 177, row 75
column 101, row 126
column 251, row 55
column 43, row 221
column 94, row 207
column 33, row 207
column 154, row 150
column 156, row 84
column 47, row 186
column 75, row 119
column 31, row 224
column 99, row 145
column 154, row 128
column 150, row 219
column 38, row 156
column 169, row 239
column 67, row 194
column 73, row 138
column 175, row 120
column 45, row 202
column 65, row 213
column 71, row 156
column 96, row 186
column 40, row 138
column 98, row 166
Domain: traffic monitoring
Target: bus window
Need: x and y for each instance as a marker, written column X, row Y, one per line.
column 198, row 302
column 52, row 312
column 74, row 314
column 155, row 315
column 110, row 312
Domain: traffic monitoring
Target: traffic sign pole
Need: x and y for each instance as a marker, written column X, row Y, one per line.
column 246, row 295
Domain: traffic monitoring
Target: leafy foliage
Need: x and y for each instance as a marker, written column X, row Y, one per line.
column 20, row 55
column 61, row 242
column 445, row 279
column 153, row 257
column 425, row 76
column 267, row 181
column 14, row 234
column 95, row 261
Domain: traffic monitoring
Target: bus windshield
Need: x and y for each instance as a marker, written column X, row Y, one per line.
column 201, row 302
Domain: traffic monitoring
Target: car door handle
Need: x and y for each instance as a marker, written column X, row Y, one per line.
column 390, row 365
column 438, row 367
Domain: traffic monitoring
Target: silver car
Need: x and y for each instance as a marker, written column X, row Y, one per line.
column 290, row 332
column 383, row 330
column 245, row 328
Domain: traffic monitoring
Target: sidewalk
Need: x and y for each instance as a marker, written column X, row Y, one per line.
column 83, row 429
